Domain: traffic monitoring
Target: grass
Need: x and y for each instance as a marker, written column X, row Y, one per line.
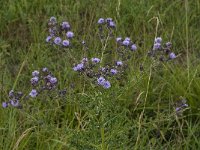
column 138, row 113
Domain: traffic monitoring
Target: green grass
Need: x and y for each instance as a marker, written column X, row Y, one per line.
column 139, row 114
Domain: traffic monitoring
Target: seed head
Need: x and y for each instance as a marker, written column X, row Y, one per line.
column 52, row 19
column 108, row 20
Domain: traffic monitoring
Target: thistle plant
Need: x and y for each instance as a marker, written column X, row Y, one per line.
column 96, row 67
column 41, row 81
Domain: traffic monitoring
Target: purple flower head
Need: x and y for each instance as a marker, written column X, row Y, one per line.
column 57, row 40
column 33, row 93
column 108, row 20
column 52, row 19
column 70, row 34
column 106, row 84
column 172, row 55
column 112, row 24
column 101, row 80
column 48, row 39
column 157, row 46
column 14, row 103
column 65, row 43
column 126, row 42
column 168, row 44
column 53, row 80
column 34, row 80
column 118, row 39
column 4, row 104
column 95, row 60
column 133, row 47
column 65, row 25
column 78, row 67
column 101, row 21
column 113, row 71
column 119, row 63
column 158, row 40
column 35, row 73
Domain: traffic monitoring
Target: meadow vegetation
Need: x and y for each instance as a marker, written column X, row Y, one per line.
column 148, row 97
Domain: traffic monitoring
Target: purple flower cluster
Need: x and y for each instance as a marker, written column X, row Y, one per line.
column 59, row 34
column 14, row 98
column 100, row 70
column 78, row 67
column 108, row 21
column 103, row 82
column 126, row 43
column 106, row 27
column 162, row 51
column 157, row 43
column 93, row 69
column 40, row 81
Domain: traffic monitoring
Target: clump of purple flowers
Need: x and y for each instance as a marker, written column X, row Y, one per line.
column 94, row 70
column 14, row 99
column 108, row 22
column 42, row 81
column 106, row 26
column 60, row 34
column 97, row 68
column 127, row 43
column 103, row 82
column 162, row 51
column 78, row 67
